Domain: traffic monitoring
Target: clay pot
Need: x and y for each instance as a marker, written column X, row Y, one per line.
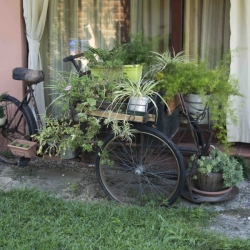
column 212, row 182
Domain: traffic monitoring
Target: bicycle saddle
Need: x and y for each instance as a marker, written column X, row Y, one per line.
column 30, row 76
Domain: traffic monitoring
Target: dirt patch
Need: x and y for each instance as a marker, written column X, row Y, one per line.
column 66, row 179
column 75, row 180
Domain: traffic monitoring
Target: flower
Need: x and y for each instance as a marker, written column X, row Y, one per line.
column 68, row 87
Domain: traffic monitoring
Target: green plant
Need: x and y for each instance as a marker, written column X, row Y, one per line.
column 102, row 57
column 137, row 51
column 176, row 75
column 69, row 90
column 163, row 60
column 77, row 97
column 54, row 137
column 220, row 162
column 245, row 165
column 16, row 144
column 142, row 88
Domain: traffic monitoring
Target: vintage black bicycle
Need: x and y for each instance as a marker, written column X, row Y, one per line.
column 150, row 168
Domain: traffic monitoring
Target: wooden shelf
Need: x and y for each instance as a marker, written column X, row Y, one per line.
column 122, row 117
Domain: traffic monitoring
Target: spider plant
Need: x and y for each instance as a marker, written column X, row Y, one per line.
column 142, row 88
column 166, row 58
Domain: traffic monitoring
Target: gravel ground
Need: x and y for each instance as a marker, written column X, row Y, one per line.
column 75, row 180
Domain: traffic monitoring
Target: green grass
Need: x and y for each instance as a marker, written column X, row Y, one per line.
column 30, row 219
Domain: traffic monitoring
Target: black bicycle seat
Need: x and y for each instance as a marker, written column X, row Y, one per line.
column 30, row 76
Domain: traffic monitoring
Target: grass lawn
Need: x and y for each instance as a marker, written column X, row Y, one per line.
column 32, row 219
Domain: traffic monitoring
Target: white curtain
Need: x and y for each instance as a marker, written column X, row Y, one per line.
column 34, row 12
column 206, row 29
column 153, row 19
column 72, row 24
column 240, row 38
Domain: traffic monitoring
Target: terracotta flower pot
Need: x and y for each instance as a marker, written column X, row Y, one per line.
column 23, row 152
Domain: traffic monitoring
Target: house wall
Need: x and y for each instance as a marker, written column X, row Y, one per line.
column 13, row 47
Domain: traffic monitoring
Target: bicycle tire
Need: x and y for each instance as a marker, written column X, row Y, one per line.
column 149, row 169
column 20, row 124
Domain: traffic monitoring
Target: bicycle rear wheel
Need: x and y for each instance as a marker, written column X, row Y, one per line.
column 20, row 124
column 149, row 169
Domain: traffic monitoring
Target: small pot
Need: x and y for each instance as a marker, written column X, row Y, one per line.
column 138, row 105
column 196, row 107
column 23, row 152
column 68, row 154
column 212, row 182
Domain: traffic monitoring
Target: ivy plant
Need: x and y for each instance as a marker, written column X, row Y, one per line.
column 77, row 97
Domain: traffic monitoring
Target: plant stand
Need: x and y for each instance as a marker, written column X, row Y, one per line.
column 124, row 117
column 23, row 152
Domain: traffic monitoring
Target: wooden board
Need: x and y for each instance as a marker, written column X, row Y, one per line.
column 174, row 103
column 126, row 117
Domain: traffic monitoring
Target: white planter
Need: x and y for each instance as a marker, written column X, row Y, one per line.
column 68, row 154
column 195, row 107
column 138, row 105
column 2, row 121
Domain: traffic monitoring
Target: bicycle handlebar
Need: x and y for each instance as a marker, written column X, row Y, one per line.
column 72, row 57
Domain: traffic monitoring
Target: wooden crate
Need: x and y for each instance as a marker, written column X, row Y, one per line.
column 174, row 103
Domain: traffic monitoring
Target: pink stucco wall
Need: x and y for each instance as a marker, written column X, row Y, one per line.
column 13, row 47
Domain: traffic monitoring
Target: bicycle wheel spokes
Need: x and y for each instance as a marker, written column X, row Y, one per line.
column 144, row 170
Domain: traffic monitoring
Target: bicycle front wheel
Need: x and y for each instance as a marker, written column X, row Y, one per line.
column 19, row 124
column 148, row 169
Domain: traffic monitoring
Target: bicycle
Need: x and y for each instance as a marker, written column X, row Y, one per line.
column 148, row 169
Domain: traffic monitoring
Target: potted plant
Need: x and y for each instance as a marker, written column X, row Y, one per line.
column 178, row 75
column 137, row 94
column 23, row 148
column 127, row 59
column 73, row 126
column 216, row 172
column 60, row 137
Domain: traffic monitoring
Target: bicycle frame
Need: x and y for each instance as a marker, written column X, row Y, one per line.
column 29, row 97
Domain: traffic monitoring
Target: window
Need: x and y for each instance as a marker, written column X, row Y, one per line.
column 207, row 29
column 72, row 24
